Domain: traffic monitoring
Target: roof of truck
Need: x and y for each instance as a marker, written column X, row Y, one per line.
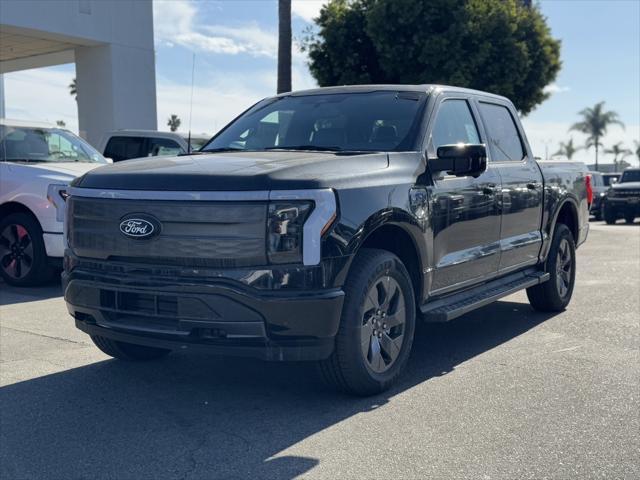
column 390, row 87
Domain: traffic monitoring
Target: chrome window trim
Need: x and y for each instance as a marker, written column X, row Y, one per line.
column 324, row 211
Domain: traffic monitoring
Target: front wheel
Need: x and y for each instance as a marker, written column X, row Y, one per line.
column 23, row 258
column 610, row 215
column 629, row 218
column 554, row 294
column 377, row 325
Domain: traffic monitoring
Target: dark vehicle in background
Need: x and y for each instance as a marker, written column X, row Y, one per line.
column 599, row 194
column 120, row 145
column 623, row 198
column 610, row 178
column 320, row 226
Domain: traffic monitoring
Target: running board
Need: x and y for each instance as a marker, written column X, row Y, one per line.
column 457, row 304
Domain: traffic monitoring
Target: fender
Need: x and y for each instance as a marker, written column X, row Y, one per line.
column 548, row 228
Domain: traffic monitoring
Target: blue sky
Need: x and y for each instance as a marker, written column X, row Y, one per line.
column 235, row 45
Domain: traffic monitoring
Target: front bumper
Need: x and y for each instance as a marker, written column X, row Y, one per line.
column 624, row 205
column 219, row 316
column 54, row 244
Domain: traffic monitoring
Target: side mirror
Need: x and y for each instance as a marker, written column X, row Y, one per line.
column 461, row 160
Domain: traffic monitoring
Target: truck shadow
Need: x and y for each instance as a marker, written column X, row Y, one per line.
column 196, row 416
column 10, row 295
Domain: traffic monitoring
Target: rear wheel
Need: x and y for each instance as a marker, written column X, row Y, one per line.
column 128, row 351
column 377, row 326
column 555, row 294
column 23, row 258
column 629, row 218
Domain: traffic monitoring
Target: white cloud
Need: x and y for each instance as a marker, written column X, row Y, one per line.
column 41, row 95
column 176, row 23
column 308, row 10
column 555, row 88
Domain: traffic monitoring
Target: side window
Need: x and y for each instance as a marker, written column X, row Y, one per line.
column 163, row 146
column 454, row 124
column 504, row 140
column 124, row 148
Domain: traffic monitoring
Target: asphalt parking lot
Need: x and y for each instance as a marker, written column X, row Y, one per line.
column 500, row 393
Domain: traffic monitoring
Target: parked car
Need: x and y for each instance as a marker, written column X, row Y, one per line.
column 623, row 198
column 126, row 144
column 319, row 225
column 610, row 178
column 599, row 194
column 37, row 162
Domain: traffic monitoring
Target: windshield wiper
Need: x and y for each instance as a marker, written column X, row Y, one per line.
column 313, row 148
column 27, row 160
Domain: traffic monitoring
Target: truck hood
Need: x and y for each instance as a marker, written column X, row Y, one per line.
column 626, row 186
column 272, row 170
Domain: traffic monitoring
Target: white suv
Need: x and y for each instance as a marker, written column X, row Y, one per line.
column 37, row 163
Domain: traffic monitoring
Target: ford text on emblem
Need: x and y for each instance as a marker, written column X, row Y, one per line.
column 139, row 227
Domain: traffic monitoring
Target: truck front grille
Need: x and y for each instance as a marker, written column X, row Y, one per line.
column 193, row 234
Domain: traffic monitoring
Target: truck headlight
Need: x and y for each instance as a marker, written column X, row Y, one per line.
column 285, row 223
column 57, row 195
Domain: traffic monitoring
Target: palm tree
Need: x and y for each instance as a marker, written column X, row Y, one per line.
column 73, row 89
column 594, row 124
column 617, row 150
column 637, row 152
column 284, row 46
column 567, row 149
column 174, row 122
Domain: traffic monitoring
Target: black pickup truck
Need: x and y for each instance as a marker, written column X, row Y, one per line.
column 623, row 198
column 320, row 225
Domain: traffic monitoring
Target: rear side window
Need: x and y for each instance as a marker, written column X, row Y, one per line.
column 124, row 148
column 454, row 124
column 504, row 141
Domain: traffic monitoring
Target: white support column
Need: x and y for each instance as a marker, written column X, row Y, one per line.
column 2, row 111
column 116, row 89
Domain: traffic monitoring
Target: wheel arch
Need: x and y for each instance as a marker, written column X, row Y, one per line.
column 397, row 237
column 16, row 207
column 567, row 214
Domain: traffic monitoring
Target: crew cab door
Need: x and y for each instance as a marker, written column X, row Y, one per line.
column 465, row 220
column 521, row 193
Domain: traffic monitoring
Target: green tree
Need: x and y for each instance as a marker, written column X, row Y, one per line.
column 618, row 151
column 567, row 149
column 284, row 46
column 595, row 122
column 501, row 46
column 636, row 143
column 73, row 89
column 174, row 122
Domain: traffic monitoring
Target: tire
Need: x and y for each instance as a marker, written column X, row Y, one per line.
column 610, row 215
column 371, row 352
column 128, row 351
column 598, row 216
column 23, row 258
column 555, row 294
column 629, row 218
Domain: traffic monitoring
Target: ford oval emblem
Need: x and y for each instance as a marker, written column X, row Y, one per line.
column 138, row 226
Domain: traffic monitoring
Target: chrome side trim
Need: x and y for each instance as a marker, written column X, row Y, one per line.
column 324, row 199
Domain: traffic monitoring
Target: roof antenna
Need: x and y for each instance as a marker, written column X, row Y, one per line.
column 193, row 71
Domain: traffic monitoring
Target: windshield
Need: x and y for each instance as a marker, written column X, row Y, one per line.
column 375, row 121
column 630, row 176
column 54, row 145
